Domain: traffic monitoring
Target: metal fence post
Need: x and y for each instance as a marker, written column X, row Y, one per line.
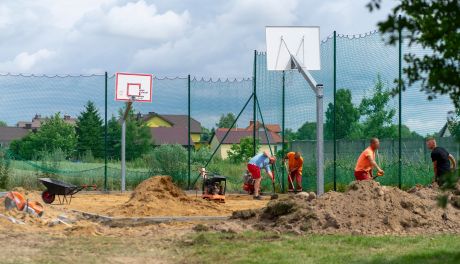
column 189, row 135
column 105, row 136
column 334, row 138
column 254, row 116
column 283, row 152
column 400, row 104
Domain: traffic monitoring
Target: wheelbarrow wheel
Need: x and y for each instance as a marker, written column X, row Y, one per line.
column 48, row 197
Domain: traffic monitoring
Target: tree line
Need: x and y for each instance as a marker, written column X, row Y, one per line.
column 372, row 117
column 87, row 137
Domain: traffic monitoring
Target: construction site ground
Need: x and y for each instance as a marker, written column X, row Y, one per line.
column 368, row 223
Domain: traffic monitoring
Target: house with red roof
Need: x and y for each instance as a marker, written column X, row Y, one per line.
column 235, row 135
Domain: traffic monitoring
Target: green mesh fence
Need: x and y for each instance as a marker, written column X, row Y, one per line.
column 365, row 70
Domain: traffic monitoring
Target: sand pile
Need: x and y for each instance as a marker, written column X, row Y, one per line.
column 365, row 208
column 158, row 196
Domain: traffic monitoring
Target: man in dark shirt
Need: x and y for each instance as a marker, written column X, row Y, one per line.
column 443, row 162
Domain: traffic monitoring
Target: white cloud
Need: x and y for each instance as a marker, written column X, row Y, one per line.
column 138, row 20
column 25, row 61
column 259, row 12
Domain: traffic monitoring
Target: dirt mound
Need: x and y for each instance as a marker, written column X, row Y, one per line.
column 158, row 196
column 157, row 187
column 365, row 208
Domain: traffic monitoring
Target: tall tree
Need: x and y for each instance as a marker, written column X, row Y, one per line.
column 113, row 138
column 3, row 123
column 90, row 131
column 377, row 114
column 433, row 25
column 347, row 115
column 226, row 120
column 138, row 137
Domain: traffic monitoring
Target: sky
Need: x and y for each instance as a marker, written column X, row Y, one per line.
column 171, row 38
column 205, row 38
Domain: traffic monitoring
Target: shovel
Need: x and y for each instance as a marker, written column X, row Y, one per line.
column 289, row 177
column 274, row 195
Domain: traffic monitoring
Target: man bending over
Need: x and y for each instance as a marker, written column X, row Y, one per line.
column 259, row 161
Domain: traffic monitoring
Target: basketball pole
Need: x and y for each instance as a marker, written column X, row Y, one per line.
column 318, row 89
column 123, row 144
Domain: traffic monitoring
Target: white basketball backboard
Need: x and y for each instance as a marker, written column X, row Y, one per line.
column 301, row 42
column 133, row 86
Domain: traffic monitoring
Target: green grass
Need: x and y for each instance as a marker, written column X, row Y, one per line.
column 258, row 247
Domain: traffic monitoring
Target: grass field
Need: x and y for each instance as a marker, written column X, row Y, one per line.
column 230, row 248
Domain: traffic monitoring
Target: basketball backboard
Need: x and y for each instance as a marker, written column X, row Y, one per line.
column 133, row 86
column 301, row 42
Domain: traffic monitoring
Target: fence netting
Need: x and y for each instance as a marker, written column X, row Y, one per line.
column 225, row 115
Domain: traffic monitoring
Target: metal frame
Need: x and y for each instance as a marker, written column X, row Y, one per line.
column 318, row 89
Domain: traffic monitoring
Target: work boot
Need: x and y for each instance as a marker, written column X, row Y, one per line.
column 258, row 197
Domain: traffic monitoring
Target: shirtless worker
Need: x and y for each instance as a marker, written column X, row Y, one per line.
column 366, row 162
column 259, row 161
column 443, row 162
column 295, row 164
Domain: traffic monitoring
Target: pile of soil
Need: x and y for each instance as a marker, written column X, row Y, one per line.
column 365, row 208
column 159, row 196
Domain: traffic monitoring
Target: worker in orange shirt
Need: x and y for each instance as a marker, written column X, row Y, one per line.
column 295, row 163
column 366, row 162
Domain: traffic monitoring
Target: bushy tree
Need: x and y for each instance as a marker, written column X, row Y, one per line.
column 289, row 135
column 453, row 124
column 54, row 134
column 307, row 131
column 242, row 151
column 407, row 133
column 90, row 132
column 433, row 25
column 347, row 116
column 4, row 169
column 226, row 120
column 205, row 134
column 377, row 114
column 169, row 160
column 3, row 123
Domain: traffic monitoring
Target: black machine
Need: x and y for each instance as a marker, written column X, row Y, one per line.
column 214, row 188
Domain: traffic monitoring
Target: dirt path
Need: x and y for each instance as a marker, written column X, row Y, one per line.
column 99, row 203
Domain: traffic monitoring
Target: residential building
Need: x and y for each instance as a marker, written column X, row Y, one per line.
column 236, row 134
column 8, row 134
column 37, row 121
column 172, row 129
